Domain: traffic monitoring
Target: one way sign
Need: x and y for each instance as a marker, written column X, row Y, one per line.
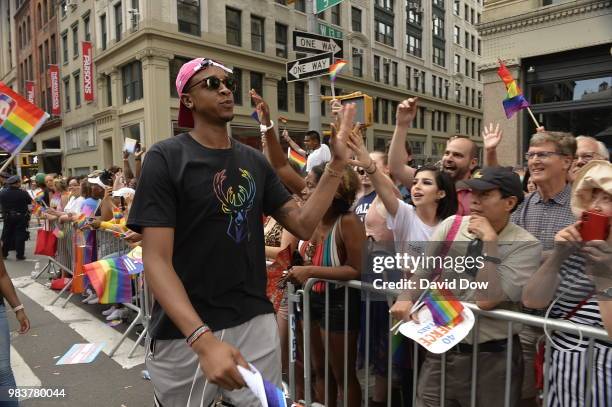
column 316, row 44
column 309, row 67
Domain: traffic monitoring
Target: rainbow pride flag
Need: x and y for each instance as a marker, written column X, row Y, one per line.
column 296, row 158
column 514, row 100
column 335, row 69
column 444, row 307
column 117, row 214
column 110, row 279
column 19, row 120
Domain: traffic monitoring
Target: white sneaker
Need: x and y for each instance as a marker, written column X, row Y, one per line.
column 89, row 297
column 93, row 300
column 109, row 311
column 118, row 313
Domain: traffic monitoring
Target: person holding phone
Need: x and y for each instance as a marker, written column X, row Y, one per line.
column 578, row 277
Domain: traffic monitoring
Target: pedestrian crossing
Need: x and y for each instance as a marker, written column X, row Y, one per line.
column 82, row 322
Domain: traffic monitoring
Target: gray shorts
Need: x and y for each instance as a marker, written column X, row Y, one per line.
column 178, row 380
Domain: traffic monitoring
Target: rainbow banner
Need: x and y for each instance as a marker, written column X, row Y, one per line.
column 19, row 120
column 444, row 307
column 514, row 100
column 296, row 158
column 335, row 69
column 117, row 214
column 110, row 279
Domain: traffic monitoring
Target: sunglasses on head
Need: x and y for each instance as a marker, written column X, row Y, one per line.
column 214, row 83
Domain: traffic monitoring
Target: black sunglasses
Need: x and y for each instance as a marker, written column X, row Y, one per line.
column 214, row 83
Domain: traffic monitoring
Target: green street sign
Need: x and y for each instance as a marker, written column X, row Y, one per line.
column 321, row 5
column 330, row 31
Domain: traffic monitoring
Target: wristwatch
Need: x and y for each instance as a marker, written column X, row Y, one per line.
column 494, row 260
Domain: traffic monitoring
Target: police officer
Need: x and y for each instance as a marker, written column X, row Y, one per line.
column 14, row 202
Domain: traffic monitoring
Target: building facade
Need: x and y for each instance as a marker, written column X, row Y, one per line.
column 8, row 55
column 560, row 52
column 396, row 49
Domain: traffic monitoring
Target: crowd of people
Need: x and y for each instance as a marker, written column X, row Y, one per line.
column 209, row 212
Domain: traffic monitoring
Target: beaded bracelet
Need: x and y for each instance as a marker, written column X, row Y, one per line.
column 332, row 172
column 197, row 334
column 372, row 164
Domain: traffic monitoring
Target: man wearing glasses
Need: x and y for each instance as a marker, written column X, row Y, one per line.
column 588, row 149
column 199, row 207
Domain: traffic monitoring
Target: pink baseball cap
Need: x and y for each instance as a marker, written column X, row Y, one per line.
column 185, row 118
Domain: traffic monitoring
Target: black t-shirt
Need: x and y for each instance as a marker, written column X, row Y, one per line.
column 214, row 200
column 15, row 200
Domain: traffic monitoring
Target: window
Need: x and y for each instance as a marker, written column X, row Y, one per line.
column 300, row 5
column 473, row 70
column 386, row 68
column 77, row 88
column 385, row 111
column 417, row 81
column 131, row 78
column 438, row 56
column 67, row 94
column 41, row 59
column 300, row 91
column 376, row 103
column 472, row 20
column 109, row 90
column 473, row 126
column 75, row 41
column 479, row 99
column 53, row 50
column 45, row 11
column 174, row 68
column 46, row 49
column 433, row 85
column 456, row 6
column 238, row 79
column 479, row 49
column 466, row 11
column 414, row 17
column 30, row 68
column 118, row 22
column 467, row 126
column 335, row 14
column 384, row 32
column 281, row 40
column 86, row 28
column 473, row 98
column 281, row 95
column 257, row 83
column 466, row 42
column 356, row 19
column 52, row 9
column 28, row 30
column 39, row 16
column 445, row 122
column 376, row 68
column 457, row 35
column 393, row 110
column 357, row 62
column 457, row 63
column 188, row 16
column 385, row 4
column 233, row 31
column 257, row 34
column 394, row 73
column 408, row 77
column 414, row 45
column 458, row 94
column 103, row 34
column 457, row 123
column 467, row 67
column 438, row 26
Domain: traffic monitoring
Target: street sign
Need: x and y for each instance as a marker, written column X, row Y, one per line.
column 309, row 67
column 328, row 31
column 321, row 5
column 316, row 44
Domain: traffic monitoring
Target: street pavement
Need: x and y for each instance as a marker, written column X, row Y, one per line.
column 108, row 382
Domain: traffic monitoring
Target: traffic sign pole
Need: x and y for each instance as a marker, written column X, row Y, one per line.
column 314, row 84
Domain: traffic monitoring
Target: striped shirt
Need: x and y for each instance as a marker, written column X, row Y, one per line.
column 544, row 219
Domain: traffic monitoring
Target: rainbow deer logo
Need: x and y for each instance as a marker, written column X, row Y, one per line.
column 237, row 203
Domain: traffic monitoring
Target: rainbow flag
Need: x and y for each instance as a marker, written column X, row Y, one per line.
column 444, row 307
column 296, row 158
column 19, row 120
column 117, row 214
column 335, row 69
column 81, row 221
column 110, row 279
column 514, row 100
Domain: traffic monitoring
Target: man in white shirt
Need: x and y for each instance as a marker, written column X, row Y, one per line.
column 319, row 153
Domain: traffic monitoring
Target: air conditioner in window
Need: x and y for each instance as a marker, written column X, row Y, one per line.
column 417, row 74
column 446, row 84
column 134, row 12
column 386, row 61
column 357, row 51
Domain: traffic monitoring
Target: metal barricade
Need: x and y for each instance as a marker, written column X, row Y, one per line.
column 589, row 334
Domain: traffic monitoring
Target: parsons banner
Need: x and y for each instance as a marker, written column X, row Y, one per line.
column 54, row 81
column 88, row 93
column 29, row 91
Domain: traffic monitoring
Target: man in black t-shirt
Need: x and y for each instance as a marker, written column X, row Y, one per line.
column 199, row 207
column 14, row 202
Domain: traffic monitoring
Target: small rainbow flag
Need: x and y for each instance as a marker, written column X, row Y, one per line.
column 19, row 120
column 81, row 221
column 117, row 214
column 296, row 158
column 335, row 69
column 110, row 279
column 514, row 100
column 444, row 307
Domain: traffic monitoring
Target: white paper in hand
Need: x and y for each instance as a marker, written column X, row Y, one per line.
column 254, row 382
column 130, row 145
column 437, row 339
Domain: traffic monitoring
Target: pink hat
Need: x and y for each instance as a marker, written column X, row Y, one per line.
column 185, row 118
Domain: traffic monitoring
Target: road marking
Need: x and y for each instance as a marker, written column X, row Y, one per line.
column 81, row 321
column 24, row 376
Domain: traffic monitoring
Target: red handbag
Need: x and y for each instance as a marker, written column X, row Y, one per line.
column 46, row 243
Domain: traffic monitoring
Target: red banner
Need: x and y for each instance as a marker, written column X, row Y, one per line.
column 29, row 91
column 54, row 80
column 88, row 92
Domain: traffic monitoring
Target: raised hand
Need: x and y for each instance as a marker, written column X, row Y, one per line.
column 491, row 137
column 261, row 107
column 356, row 144
column 140, row 152
column 339, row 141
column 406, row 112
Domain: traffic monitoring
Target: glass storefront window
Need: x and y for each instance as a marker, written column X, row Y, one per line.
column 596, row 122
column 572, row 90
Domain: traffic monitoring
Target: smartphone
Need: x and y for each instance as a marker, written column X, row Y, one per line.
column 595, row 226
